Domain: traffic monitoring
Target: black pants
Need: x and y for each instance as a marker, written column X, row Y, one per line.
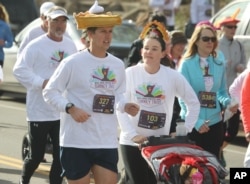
column 38, row 132
column 231, row 127
column 210, row 141
column 1, row 63
column 137, row 170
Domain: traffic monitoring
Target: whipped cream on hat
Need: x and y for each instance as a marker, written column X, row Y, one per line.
column 95, row 8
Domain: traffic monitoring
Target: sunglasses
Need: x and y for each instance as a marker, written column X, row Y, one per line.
column 207, row 39
column 231, row 27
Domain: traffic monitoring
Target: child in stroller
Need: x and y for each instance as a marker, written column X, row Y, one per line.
column 179, row 161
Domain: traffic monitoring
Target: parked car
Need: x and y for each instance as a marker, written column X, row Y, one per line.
column 243, row 30
column 123, row 36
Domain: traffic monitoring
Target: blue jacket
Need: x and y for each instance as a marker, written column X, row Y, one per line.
column 5, row 34
column 192, row 71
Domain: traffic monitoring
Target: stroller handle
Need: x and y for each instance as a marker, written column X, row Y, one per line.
column 166, row 139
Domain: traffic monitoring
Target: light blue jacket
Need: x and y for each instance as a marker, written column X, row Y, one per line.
column 192, row 71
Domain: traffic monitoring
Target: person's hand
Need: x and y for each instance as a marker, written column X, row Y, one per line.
column 239, row 68
column 248, row 136
column 2, row 42
column 173, row 134
column 204, row 128
column 131, row 108
column 139, row 139
column 79, row 115
column 234, row 108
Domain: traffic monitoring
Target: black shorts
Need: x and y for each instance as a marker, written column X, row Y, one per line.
column 76, row 162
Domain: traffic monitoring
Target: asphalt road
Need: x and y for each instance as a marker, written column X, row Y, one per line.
column 13, row 126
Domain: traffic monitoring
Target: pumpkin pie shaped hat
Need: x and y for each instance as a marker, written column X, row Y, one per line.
column 230, row 19
column 95, row 17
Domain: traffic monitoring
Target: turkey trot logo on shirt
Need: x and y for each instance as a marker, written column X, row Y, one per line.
column 149, row 94
column 103, row 78
column 57, row 57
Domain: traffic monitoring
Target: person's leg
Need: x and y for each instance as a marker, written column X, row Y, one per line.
column 247, row 157
column 1, row 63
column 213, row 139
column 231, row 130
column 137, row 170
column 103, row 175
column 210, row 141
column 38, row 137
column 104, row 167
column 76, row 164
column 56, row 169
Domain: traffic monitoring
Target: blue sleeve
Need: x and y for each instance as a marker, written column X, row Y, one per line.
column 8, row 37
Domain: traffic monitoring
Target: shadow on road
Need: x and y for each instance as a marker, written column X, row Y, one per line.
column 17, row 97
column 15, row 173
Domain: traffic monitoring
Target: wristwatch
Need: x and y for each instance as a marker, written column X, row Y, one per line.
column 68, row 106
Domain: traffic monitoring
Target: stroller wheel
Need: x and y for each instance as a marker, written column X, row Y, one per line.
column 25, row 146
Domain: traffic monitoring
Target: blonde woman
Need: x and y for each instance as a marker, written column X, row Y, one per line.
column 205, row 71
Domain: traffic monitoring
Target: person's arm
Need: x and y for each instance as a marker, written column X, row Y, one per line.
column 125, row 122
column 8, row 38
column 23, row 69
column 245, row 103
column 235, row 87
column 192, row 104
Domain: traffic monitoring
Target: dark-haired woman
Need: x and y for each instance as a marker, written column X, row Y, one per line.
column 153, row 87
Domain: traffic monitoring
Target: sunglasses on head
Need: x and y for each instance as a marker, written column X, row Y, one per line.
column 207, row 39
column 231, row 27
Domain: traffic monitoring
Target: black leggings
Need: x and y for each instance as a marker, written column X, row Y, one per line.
column 38, row 132
column 210, row 141
column 231, row 127
column 137, row 170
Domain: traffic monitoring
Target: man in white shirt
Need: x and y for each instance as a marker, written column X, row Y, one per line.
column 33, row 69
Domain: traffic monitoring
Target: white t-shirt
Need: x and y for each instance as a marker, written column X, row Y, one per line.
column 37, row 63
column 34, row 33
column 170, row 6
column 155, row 93
column 82, row 77
column 198, row 10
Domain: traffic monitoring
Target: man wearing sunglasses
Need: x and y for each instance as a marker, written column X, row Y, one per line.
column 235, row 63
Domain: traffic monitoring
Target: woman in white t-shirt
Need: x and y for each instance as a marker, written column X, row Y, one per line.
column 153, row 87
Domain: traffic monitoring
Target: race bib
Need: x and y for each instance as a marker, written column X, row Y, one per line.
column 104, row 104
column 151, row 120
column 207, row 99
